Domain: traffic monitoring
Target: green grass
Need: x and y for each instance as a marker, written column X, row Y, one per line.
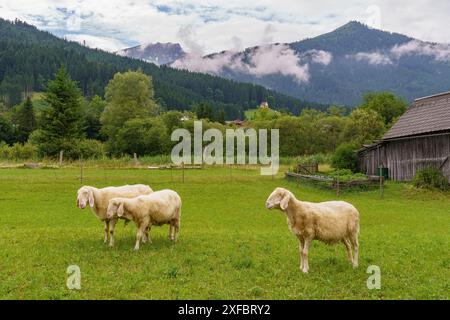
column 230, row 246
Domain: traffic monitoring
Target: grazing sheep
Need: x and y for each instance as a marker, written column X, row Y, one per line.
column 330, row 222
column 158, row 208
column 98, row 201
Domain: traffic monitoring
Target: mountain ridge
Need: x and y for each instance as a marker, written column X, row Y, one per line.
column 30, row 57
column 157, row 53
column 337, row 67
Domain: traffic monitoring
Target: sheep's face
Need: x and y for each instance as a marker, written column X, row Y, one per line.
column 115, row 209
column 85, row 195
column 278, row 199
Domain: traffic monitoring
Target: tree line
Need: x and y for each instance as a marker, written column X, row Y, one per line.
column 130, row 120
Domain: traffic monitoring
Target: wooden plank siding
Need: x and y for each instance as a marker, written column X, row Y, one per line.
column 404, row 157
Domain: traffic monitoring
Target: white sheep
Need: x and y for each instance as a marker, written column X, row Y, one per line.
column 98, row 201
column 330, row 222
column 160, row 207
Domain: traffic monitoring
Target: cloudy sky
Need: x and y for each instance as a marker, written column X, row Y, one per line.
column 217, row 25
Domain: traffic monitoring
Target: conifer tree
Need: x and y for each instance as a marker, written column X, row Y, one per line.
column 24, row 120
column 61, row 123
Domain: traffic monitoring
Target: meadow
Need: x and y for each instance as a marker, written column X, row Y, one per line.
column 230, row 246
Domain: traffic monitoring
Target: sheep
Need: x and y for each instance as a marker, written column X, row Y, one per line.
column 329, row 222
column 98, row 201
column 160, row 207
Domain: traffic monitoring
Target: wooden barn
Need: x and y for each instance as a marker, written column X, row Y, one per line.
column 420, row 138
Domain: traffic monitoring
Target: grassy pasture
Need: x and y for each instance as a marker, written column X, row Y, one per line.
column 230, row 246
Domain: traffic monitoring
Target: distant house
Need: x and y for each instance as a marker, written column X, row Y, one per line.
column 420, row 138
column 264, row 105
column 237, row 122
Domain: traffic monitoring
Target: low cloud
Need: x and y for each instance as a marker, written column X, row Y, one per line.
column 440, row 52
column 187, row 36
column 319, row 56
column 273, row 59
column 211, row 64
column 195, row 60
column 372, row 58
column 259, row 61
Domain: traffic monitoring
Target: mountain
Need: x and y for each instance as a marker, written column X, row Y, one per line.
column 30, row 57
column 157, row 53
column 337, row 67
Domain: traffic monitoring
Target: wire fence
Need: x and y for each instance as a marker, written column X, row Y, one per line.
column 102, row 174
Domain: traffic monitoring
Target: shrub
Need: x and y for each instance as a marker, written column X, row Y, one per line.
column 145, row 136
column 88, row 149
column 430, row 178
column 346, row 175
column 18, row 151
column 345, row 157
column 319, row 158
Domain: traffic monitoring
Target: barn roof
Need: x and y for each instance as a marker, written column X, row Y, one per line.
column 426, row 115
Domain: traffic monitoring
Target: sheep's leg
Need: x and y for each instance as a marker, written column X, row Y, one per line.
column 139, row 235
column 301, row 243
column 305, row 255
column 171, row 230
column 147, row 235
column 112, row 225
column 349, row 249
column 176, row 227
column 106, row 232
column 355, row 244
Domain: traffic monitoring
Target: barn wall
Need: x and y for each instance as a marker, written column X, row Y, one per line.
column 370, row 160
column 404, row 157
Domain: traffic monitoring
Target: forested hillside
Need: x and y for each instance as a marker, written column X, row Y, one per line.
column 30, row 57
column 340, row 66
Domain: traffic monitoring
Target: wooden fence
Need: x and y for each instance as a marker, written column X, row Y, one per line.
column 307, row 169
column 336, row 184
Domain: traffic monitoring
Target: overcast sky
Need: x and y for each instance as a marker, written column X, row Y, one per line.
column 217, row 25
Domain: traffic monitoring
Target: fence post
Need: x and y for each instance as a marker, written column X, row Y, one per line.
column 337, row 186
column 182, row 169
column 381, row 187
column 61, row 155
column 81, row 170
column 136, row 162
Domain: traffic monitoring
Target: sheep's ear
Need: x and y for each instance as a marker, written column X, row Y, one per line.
column 120, row 210
column 285, row 201
column 91, row 198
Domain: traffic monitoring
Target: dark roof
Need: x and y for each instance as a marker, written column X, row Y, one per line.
column 369, row 146
column 426, row 115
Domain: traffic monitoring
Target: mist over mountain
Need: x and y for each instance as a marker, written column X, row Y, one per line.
column 157, row 53
column 337, row 67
